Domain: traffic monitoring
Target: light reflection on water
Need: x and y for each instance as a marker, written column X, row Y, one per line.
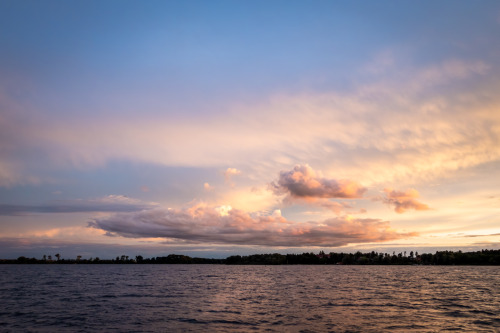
column 152, row 298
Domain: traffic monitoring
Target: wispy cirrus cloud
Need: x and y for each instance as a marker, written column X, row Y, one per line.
column 487, row 235
column 208, row 225
column 403, row 201
column 409, row 123
column 111, row 203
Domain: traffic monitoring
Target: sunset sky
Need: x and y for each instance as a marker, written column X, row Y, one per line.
column 213, row 128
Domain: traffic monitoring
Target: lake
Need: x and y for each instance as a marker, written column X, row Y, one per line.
column 219, row 298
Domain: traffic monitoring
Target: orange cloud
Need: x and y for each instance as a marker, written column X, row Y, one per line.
column 403, row 201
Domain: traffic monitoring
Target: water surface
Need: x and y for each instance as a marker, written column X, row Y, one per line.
column 157, row 298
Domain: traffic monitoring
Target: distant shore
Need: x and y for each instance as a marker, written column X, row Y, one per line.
column 483, row 257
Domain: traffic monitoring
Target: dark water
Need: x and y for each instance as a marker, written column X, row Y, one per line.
column 217, row 298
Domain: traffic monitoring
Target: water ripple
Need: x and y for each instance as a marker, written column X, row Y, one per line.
column 192, row 298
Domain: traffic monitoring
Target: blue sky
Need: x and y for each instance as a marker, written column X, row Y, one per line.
column 218, row 128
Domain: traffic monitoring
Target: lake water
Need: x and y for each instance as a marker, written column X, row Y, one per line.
column 218, row 298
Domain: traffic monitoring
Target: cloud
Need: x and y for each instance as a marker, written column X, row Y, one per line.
column 111, row 203
column 336, row 207
column 303, row 182
column 403, row 201
column 407, row 124
column 203, row 224
column 498, row 234
column 230, row 173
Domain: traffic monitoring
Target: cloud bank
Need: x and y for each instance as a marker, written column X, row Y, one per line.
column 111, row 203
column 202, row 224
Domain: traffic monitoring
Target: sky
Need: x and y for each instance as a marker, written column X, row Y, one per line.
column 238, row 127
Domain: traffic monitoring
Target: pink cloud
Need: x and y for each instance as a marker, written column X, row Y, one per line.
column 202, row 224
column 403, row 201
column 303, row 182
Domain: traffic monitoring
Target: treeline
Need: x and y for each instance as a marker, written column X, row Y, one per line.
column 484, row 257
column 170, row 259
